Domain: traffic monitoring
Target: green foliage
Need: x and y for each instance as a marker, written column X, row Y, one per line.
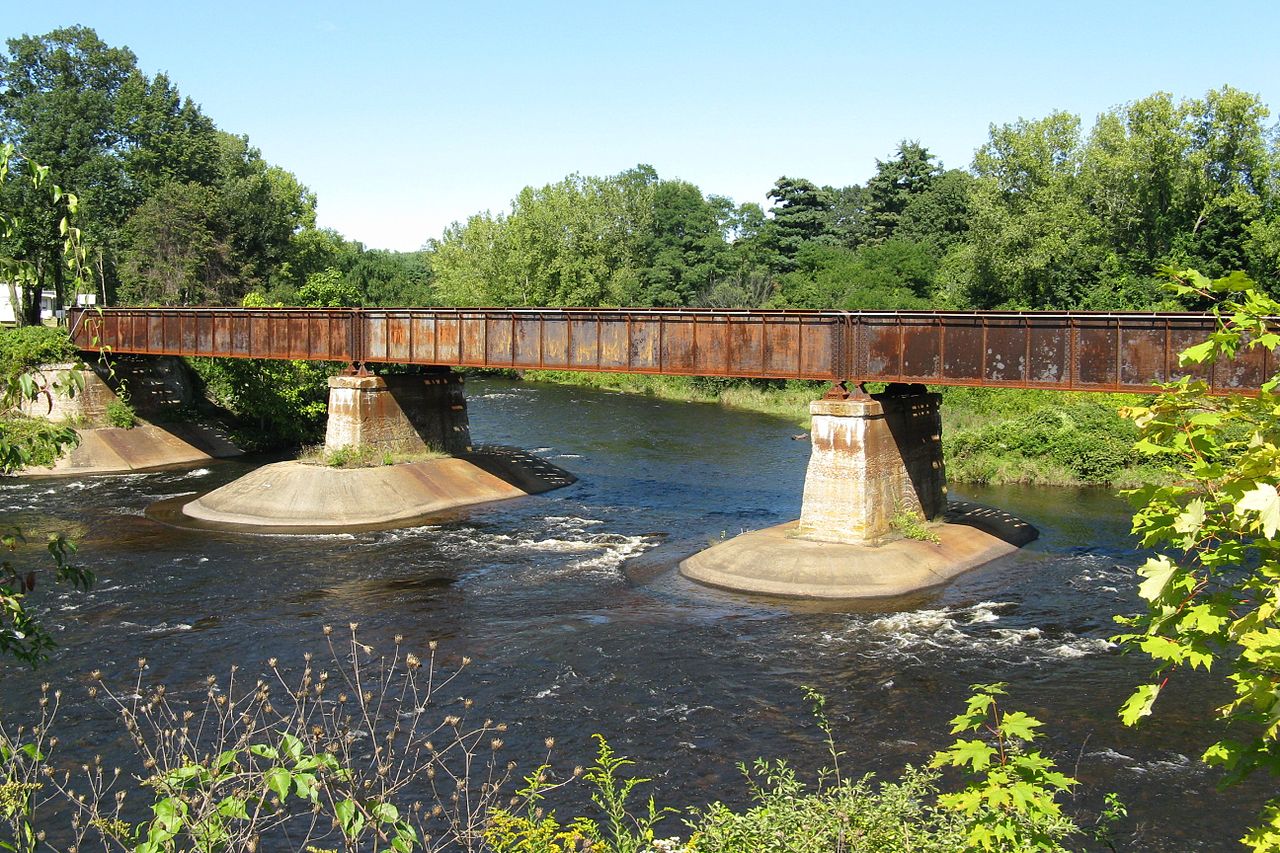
column 32, row 442
column 277, row 402
column 538, row 831
column 801, row 212
column 26, row 347
column 895, row 185
column 907, row 523
column 893, row 275
column 18, row 794
column 366, row 456
column 189, row 213
column 1009, row 801
column 22, row 442
column 22, row 636
column 853, row 816
column 1213, row 588
column 121, row 414
column 1081, row 436
column 276, row 762
column 178, row 251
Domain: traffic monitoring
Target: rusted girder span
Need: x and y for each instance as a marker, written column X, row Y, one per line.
column 1081, row 351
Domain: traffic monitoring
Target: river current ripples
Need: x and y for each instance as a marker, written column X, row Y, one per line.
column 576, row 620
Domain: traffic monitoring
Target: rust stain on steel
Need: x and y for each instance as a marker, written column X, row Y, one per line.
column 1080, row 351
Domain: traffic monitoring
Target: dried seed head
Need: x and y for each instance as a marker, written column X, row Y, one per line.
column 496, row 744
column 432, row 645
column 399, row 638
column 550, row 743
column 328, row 629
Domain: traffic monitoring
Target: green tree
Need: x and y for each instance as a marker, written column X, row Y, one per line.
column 938, row 216
column 1181, row 181
column 1213, row 588
column 801, row 213
column 895, row 184
column 1034, row 242
column 847, row 216
column 893, row 275
column 167, row 138
column 176, row 250
column 686, row 251
column 263, row 207
column 58, row 106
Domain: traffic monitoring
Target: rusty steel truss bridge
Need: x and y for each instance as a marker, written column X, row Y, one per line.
column 1077, row 351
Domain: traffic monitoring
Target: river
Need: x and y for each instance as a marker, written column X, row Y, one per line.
column 577, row 622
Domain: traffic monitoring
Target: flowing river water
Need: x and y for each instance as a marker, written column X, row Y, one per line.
column 577, row 622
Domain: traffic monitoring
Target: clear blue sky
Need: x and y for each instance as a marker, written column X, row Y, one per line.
column 404, row 117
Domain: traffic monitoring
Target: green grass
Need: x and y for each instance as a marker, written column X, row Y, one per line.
column 364, row 456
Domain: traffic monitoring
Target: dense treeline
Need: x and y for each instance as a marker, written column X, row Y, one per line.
column 173, row 210
column 1048, row 217
column 176, row 211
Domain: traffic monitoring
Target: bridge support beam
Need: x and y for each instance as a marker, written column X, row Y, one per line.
column 873, row 458
column 401, row 412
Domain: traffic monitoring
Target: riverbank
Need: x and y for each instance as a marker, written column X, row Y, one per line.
column 990, row 436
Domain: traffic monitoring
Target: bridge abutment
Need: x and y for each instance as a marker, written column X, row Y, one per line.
column 401, row 412
column 873, row 459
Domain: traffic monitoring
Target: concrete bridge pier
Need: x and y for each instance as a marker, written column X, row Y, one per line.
column 875, row 521
column 875, row 457
column 402, row 412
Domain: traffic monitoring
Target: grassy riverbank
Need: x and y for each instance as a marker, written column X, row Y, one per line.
column 990, row 436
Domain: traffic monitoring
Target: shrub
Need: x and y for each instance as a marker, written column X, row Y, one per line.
column 121, row 414
column 30, row 346
column 339, row 753
column 857, row 817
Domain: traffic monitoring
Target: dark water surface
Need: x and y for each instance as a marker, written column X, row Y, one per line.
column 577, row 622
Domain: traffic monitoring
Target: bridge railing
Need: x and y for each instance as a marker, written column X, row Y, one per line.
column 1063, row 350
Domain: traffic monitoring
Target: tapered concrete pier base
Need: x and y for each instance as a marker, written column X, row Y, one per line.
column 401, row 412
column 298, row 496
column 777, row 561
